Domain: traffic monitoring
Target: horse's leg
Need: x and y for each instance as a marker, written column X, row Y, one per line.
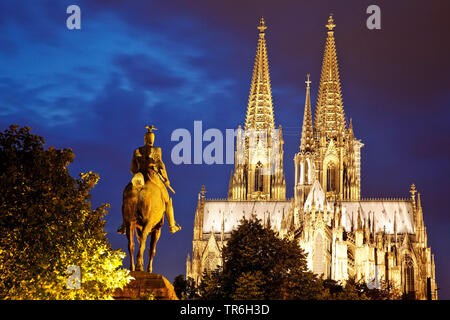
column 153, row 240
column 140, row 254
column 130, row 236
column 145, row 231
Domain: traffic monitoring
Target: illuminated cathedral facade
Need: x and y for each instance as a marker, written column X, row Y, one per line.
column 374, row 240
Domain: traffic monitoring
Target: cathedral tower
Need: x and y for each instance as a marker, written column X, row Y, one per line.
column 258, row 173
column 338, row 161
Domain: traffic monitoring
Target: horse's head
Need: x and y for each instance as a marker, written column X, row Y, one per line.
column 138, row 180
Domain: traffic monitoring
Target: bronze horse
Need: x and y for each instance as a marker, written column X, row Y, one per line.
column 143, row 210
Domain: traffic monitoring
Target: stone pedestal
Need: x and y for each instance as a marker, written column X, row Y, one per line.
column 144, row 285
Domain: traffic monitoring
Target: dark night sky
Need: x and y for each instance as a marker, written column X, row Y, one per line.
column 169, row 63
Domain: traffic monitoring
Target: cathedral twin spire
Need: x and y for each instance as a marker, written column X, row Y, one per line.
column 328, row 125
column 258, row 173
column 260, row 108
column 330, row 118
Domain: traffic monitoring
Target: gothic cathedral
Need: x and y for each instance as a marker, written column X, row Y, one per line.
column 376, row 240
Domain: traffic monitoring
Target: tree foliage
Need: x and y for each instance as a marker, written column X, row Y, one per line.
column 358, row 290
column 185, row 289
column 47, row 225
column 179, row 285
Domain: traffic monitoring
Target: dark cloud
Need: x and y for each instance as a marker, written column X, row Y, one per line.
column 147, row 73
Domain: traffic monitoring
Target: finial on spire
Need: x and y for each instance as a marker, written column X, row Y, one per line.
column 262, row 26
column 413, row 190
column 307, row 81
column 330, row 24
column 203, row 192
column 413, row 196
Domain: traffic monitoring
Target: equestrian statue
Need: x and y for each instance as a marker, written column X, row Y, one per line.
column 145, row 200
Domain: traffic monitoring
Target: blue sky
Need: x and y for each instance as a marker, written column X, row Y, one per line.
column 169, row 63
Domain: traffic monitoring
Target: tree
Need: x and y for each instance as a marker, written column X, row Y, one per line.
column 212, row 285
column 258, row 264
column 357, row 290
column 47, row 225
column 179, row 285
column 185, row 289
column 385, row 291
column 352, row 290
column 249, row 286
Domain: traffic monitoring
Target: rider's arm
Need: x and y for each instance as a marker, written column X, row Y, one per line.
column 134, row 162
column 163, row 171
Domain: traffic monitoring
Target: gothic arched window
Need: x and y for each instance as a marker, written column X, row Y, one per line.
column 331, row 177
column 300, row 176
column 408, row 271
column 346, row 183
column 306, row 170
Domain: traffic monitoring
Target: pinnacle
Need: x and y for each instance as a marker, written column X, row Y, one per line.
column 330, row 118
column 307, row 140
column 260, row 107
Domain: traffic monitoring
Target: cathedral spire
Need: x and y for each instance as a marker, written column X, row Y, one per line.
column 260, row 173
column 330, row 118
column 260, row 109
column 307, row 140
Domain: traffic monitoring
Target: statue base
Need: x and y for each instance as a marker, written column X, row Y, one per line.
column 144, row 286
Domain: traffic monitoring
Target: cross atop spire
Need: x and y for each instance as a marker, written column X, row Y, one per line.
column 308, row 82
column 262, row 26
column 330, row 24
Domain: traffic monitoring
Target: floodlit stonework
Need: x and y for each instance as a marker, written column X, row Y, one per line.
column 376, row 240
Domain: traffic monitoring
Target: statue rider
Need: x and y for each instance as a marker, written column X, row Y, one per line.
column 146, row 159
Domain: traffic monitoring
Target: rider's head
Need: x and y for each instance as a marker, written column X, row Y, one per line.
column 149, row 137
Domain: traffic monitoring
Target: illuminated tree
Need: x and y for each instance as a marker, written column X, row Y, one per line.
column 249, row 285
column 47, row 225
